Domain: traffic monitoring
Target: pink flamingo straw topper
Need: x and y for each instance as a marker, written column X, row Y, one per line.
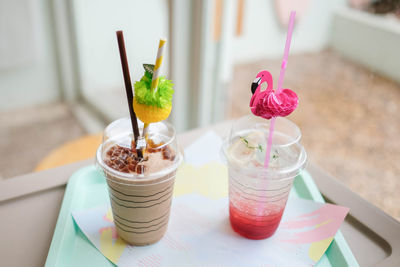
column 270, row 104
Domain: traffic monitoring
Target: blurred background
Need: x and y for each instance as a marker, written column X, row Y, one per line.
column 61, row 80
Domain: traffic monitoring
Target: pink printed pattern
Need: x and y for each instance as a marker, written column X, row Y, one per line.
column 175, row 243
column 323, row 222
column 269, row 103
column 108, row 218
column 113, row 230
column 153, row 260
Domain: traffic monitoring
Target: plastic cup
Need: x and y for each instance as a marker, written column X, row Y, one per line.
column 140, row 202
column 258, row 196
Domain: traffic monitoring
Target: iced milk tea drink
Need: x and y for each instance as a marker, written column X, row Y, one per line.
column 140, row 190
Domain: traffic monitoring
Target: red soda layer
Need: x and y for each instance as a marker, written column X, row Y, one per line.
column 251, row 226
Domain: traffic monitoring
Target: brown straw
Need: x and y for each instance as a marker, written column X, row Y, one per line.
column 128, row 85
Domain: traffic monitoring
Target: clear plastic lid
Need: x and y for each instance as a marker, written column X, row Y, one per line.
column 245, row 148
column 163, row 140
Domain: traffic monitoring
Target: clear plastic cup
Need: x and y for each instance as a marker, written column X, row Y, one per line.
column 258, row 196
column 140, row 202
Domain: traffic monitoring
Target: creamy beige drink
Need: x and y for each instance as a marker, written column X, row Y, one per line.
column 140, row 176
column 140, row 189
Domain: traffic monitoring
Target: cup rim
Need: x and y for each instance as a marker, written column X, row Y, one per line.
column 261, row 120
column 266, row 173
column 140, row 178
column 272, row 173
column 169, row 125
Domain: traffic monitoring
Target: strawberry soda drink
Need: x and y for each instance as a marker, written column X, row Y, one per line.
column 264, row 156
column 258, row 195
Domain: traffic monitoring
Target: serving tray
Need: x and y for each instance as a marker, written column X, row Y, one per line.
column 87, row 188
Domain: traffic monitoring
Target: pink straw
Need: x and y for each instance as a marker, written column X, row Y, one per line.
column 280, row 81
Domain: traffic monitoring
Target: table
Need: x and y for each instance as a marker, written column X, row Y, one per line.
column 29, row 207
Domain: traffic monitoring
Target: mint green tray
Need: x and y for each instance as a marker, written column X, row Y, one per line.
column 87, row 188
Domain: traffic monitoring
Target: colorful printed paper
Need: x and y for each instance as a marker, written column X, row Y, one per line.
column 204, row 150
column 199, row 234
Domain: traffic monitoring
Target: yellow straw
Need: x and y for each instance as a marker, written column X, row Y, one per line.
column 157, row 66
column 156, row 74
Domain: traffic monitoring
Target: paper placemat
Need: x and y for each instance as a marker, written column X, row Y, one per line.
column 199, row 234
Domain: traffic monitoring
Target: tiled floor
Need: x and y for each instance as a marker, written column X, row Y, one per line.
column 349, row 117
